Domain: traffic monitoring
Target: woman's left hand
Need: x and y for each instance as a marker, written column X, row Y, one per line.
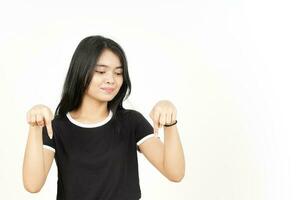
column 163, row 113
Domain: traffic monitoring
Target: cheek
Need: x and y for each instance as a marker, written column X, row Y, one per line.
column 119, row 81
column 97, row 81
column 93, row 88
column 95, row 84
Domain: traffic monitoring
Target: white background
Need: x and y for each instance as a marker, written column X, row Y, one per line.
column 231, row 68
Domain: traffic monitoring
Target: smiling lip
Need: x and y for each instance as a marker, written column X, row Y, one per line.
column 108, row 89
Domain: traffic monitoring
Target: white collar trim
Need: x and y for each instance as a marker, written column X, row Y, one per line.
column 93, row 125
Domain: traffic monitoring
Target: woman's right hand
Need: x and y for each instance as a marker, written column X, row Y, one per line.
column 40, row 115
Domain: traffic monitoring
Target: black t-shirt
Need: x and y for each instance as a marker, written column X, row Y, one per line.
column 95, row 162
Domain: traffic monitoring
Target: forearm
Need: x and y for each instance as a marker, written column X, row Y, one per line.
column 174, row 162
column 33, row 164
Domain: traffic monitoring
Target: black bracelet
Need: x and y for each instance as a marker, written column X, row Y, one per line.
column 167, row 125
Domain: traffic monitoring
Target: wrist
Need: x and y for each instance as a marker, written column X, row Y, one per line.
column 171, row 124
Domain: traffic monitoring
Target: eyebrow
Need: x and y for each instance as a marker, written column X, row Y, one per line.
column 101, row 65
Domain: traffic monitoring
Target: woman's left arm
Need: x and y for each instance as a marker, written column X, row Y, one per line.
column 174, row 163
column 166, row 156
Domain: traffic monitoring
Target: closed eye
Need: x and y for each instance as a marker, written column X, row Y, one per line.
column 101, row 72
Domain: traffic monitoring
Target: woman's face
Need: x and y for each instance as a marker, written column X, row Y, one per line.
column 107, row 78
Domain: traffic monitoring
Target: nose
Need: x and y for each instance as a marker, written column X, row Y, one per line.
column 110, row 78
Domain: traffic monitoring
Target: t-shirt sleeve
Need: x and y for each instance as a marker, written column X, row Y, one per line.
column 143, row 130
column 47, row 142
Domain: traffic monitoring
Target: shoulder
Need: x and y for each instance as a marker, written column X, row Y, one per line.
column 134, row 113
column 131, row 114
column 58, row 121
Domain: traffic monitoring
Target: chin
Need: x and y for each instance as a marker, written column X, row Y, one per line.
column 106, row 98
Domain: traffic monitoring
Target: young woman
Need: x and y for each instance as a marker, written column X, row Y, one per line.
column 93, row 139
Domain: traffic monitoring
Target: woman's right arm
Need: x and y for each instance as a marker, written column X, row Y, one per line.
column 37, row 160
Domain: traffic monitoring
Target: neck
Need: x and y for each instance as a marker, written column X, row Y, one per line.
column 91, row 110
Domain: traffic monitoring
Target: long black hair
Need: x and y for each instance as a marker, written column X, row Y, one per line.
column 81, row 71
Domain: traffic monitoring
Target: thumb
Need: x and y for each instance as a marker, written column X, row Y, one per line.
column 49, row 129
column 156, row 128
